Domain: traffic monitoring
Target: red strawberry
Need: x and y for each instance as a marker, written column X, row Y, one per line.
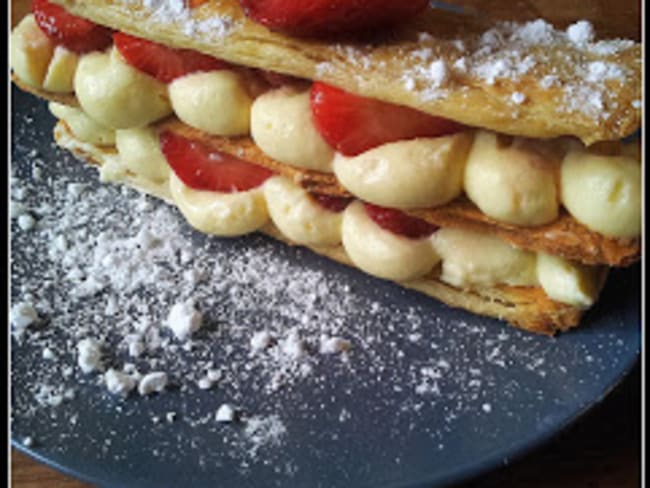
column 162, row 62
column 352, row 124
column 327, row 17
column 203, row 168
column 333, row 204
column 75, row 33
column 399, row 223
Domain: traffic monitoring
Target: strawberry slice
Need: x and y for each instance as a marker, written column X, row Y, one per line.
column 162, row 62
column 352, row 124
column 328, row 17
column 75, row 33
column 333, row 204
column 203, row 168
column 398, row 222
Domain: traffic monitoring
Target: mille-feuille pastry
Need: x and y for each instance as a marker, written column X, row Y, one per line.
column 479, row 164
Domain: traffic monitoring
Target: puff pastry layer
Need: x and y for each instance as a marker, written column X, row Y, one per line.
column 528, row 80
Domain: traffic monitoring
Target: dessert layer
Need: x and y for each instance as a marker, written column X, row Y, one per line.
column 564, row 236
column 513, row 181
column 527, row 307
column 522, row 79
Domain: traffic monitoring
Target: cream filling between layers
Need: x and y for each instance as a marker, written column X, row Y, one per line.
column 473, row 258
column 298, row 216
column 83, row 126
column 568, row 282
column 222, row 214
column 215, row 102
column 381, row 253
column 521, row 182
column 511, row 182
column 371, row 248
column 117, row 95
column 36, row 60
column 418, row 173
column 140, row 153
column 603, row 192
column 282, row 127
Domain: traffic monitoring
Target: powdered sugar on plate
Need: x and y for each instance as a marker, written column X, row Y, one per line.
column 324, row 366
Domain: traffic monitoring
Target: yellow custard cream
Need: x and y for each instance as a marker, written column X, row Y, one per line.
column 140, row 153
column 603, row 192
column 223, row 214
column 511, row 183
column 215, row 102
column 117, row 95
column 568, row 282
column 298, row 216
column 381, row 253
column 59, row 77
column 83, row 126
column 472, row 258
column 418, row 173
column 282, row 127
column 30, row 52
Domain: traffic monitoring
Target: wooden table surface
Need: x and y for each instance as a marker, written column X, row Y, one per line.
column 603, row 448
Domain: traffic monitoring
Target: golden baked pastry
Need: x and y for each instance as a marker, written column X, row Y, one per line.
column 523, row 82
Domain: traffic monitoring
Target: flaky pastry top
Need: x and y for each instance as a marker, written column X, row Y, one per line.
column 526, row 79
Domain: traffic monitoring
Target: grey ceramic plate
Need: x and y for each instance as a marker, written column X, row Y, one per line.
column 430, row 395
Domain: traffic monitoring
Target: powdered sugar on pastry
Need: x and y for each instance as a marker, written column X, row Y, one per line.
column 176, row 11
column 511, row 51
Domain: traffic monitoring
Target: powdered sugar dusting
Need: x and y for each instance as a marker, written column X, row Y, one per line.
column 518, row 98
column 511, row 51
column 316, row 361
column 581, row 33
column 214, row 28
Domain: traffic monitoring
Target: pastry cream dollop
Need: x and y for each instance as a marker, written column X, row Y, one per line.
column 603, row 192
column 300, row 217
column 117, row 95
column 568, row 282
column 282, row 127
column 512, row 182
column 30, row 52
column 214, row 101
column 222, row 214
column 472, row 258
column 425, row 172
column 382, row 253
column 59, row 77
column 139, row 151
column 82, row 126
